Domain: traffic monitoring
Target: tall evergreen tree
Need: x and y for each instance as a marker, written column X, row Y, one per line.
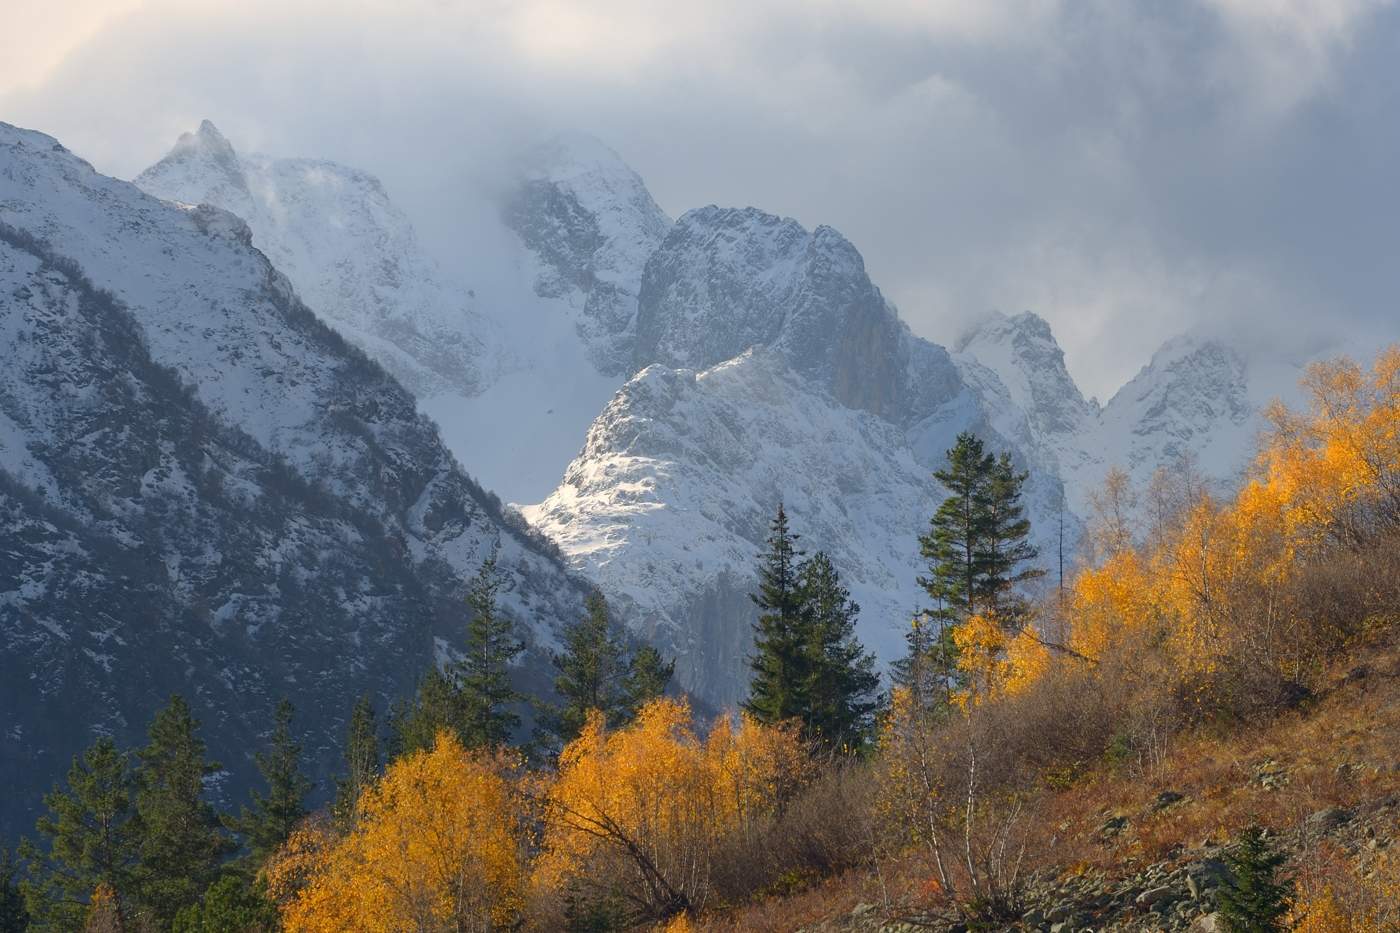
column 436, row 706
column 233, row 904
column 361, row 761
column 92, row 840
column 182, row 841
column 1004, row 545
column 842, row 684
column 592, row 672
column 14, row 918
column 953, row 544
column 1253, row 898
column 483, row 674
column 275, row 814
column 778, row 689
column 647, row 676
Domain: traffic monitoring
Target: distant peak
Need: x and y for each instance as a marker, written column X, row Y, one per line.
column 206, row 139
column 203, row 150
column 996, row 327
column 568, row 155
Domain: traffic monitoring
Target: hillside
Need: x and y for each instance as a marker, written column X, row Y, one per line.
column 1141, row 850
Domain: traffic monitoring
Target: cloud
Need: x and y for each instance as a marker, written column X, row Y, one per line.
column 1127, row 169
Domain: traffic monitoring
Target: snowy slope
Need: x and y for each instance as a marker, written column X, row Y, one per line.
column 517, row 349
column 1197, row 399
column 248, row 360
column 809, row 389
column 669, row 502
column 349, row 252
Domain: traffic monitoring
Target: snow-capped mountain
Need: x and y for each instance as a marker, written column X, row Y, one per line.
column 1197, row 400
column 350, row 253
column 670, row 500
column 591, row 224
column 520, row 345
column 771, row 369
column 206, row 489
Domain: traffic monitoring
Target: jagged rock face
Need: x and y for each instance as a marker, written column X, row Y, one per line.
column 1193, row 400
column 205, row 489
column 591, row 223
column 1023, row 353
column 726, row 279
column 350, row 253
column 668, row 505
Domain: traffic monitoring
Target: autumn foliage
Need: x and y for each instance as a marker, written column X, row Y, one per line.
column 641, row 814
column 437, row 847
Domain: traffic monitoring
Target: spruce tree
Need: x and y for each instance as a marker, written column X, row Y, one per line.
column 1004, row 545
column 953, row 545
column 929, row 669
column 92, row 840
column 842, row 683
column 182, row 842
column 233, row 904
column 14, row 918
column 1253, row 898
column 435, row 707
column 483, row 674
column 361, row 761
column 592, row 672
column 275, row 814
column 779, row 662
column 647, row 677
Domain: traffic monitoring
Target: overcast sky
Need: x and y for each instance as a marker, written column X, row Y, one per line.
column 1129, row 170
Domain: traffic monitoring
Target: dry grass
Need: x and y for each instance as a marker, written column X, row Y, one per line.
column 1340, row 749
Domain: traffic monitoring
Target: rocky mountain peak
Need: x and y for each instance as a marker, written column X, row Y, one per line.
column 205, row 153
column 1021, row 349
column 728, row 279
column 349, row 251
column 590, row 223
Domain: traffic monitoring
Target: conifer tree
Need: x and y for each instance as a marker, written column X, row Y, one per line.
column 275, row 814
column 842, row 683
column 780, row 672
column 483, row 674
column 14, row 918
column 182, row 842
column 361, row 761
column 647, row 677
column 928, row 669
column 233, row 904
column 952, row 545
column 1253, row 899
column 92, row 840
column 1003, row 546
column 435, row 706
column 592, row 672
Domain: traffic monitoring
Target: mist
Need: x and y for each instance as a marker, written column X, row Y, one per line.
column 1129, row 171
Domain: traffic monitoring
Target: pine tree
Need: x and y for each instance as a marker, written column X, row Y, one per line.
column 842, row 683
column 483, row 674
column 233, row 904
column 182, row 842
column 14, row 918
column 276, row 814
column 929, row 669
column 361, row 761
column 780, row 673
column 93, row 840
column 436, row 706
column 1004, row 545
column 953, row 544
column 647, row 677
column 592, row 672
column 1253, row 899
